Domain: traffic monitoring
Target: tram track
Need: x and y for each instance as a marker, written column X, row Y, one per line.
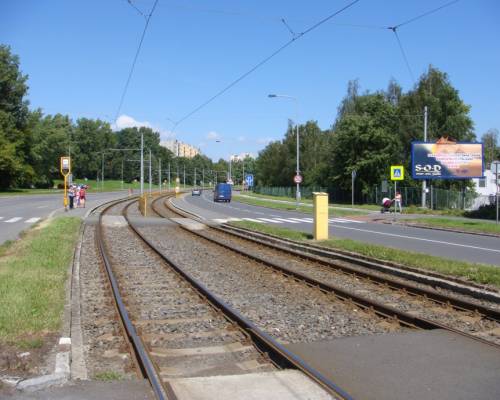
column 405, row 302
column 169, row 316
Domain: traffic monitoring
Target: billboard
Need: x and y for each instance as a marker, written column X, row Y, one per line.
column 448, row 160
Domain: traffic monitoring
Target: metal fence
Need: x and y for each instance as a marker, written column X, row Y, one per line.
column 437, row 199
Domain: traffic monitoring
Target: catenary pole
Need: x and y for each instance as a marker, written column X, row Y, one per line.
column 424, row 182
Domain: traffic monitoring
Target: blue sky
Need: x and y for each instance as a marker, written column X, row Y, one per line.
column 78, row 55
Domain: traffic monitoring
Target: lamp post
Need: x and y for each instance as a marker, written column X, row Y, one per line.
column 297, row 170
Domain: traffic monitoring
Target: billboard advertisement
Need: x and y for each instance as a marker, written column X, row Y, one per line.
column 449, row 160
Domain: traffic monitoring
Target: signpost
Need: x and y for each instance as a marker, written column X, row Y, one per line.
column 495, row 168
column 297, row 179
column 353, row 177
column 397, row 174
column 249, row 180
column 65, row 171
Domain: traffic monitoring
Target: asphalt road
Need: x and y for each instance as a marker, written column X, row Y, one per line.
column 18, row 213
column 458, row 246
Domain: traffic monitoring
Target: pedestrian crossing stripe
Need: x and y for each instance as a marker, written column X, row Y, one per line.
column 32, row 220
column 13, row 220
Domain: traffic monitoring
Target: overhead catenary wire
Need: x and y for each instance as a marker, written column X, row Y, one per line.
column 131, row 72
column 265, row 60
column 395, row 28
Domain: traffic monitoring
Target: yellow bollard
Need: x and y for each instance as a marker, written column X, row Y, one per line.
column 320, row 216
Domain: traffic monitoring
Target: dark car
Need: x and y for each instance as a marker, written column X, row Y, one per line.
column 222, row 192
column 196, row 192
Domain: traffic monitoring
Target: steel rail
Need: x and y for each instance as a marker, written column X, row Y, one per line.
column 147, row 367
column 441, row 298
column 266, row 343
column 379, row 308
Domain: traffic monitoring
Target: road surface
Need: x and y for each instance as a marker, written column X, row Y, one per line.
column 458, row 246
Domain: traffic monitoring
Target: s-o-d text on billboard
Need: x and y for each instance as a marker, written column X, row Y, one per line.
column 447, row 160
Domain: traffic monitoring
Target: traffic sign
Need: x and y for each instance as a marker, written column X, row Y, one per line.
column 397, row 172
column 297, row 178
column 65, row 165
column 249, row 180
column 495, row 167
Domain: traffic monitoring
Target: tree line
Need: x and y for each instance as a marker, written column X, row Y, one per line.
column 32, row 143
column 371, row 132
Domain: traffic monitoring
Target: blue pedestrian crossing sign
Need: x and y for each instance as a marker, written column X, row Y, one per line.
column 397, row 172
column 249, row 179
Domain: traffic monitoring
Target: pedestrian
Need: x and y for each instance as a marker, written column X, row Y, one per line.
column 398, row 203
column 71, row 196
column 83, row 194
column 77, row 196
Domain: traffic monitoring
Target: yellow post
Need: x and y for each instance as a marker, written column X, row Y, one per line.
column 65, row 201
column 177, row 189
column 320, row 216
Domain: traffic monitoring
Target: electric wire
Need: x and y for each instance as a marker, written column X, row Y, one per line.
column 148, row 18
column 264, row 61
column 425, row 14
column 136, row 8
column 404, row 56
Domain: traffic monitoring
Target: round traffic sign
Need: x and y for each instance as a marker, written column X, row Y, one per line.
column 297, row 179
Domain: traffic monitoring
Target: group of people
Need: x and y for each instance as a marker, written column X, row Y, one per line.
column 387, row 203
column 77, row 195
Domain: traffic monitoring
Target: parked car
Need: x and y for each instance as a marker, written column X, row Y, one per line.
column 196, row 192
column 222, row 192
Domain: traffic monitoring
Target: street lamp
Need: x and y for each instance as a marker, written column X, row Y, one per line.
column 297, row 170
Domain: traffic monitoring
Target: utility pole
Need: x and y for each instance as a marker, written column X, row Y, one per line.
column 424, row 182
column 159, row 173
column 150, row 172
column 194, row 177
column 230, row 162
column 169, row 175
column 184, row 180
column 243, row 175
column 102, row 171
column 122, row 172
column 142, row 163
column 203, row 177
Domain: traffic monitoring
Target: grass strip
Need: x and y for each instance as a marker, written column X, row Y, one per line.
column 291, row 207
column 479, row 273
column 471, row 226
column 33, row 272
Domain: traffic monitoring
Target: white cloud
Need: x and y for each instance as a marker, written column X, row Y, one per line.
column 126, row 121
column 241, row 138
column 212, row 135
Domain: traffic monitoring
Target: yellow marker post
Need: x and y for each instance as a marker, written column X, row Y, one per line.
column 320, row 216
column 177, row 189
column 65, row 171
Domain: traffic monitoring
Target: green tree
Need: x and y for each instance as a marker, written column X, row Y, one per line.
column 490, row 144
column 15, row 137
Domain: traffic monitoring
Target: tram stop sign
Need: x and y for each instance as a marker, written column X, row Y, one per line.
column 297, row 178
column 397, row 172
column 65, row 165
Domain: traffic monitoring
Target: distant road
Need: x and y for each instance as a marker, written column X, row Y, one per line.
column 458, row 246
column 18, row 213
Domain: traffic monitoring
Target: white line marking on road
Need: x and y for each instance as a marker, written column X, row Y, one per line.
column 421, row 239
column 1, row 218
column 271, row 220
column 12, row 220
column 345, row 221
column 220, row 220
column 42, row 206
column 32, row 220
column 234, row 219
column 289, row 220
column 308, row 220
column 253, row 220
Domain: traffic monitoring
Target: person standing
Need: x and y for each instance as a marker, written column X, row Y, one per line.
column 398, row 203
column 82, row 196
column 71, row 196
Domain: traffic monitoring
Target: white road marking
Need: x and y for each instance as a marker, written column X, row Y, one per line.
column 345, row 221
column 271, row 220
column 234, row 219
column 253, row 220
column 32, row 220
column 289, row 220
column 1, row 218
column 220, row 220
column 308, row 220
column 42, row 206
column 421, row 239
column 12, row 220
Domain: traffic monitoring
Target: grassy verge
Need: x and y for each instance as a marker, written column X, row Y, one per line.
column 291, row 206
column 472, row 226
column 32, row 276
column 480, row 273
column 23, row 192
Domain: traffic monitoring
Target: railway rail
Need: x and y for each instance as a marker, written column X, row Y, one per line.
column 406, row 302
column 167, row 331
